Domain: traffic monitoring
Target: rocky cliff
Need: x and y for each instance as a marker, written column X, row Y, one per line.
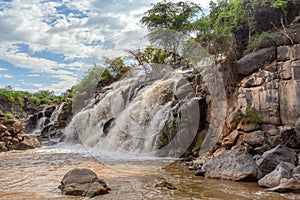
column 260, row 136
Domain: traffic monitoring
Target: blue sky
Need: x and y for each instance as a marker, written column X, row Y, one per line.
column 48, row 44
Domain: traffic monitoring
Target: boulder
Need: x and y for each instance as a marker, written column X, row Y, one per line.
column 283, row 170
column 255, row 139
column 252, row 62
column 28, row 143
column 83, row 182
column 270, row 159
column 233, row 165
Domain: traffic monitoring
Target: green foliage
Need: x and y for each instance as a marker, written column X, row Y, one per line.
column 251, row 116
column 173, row 16
column 115, row 68
column 256, row 40
column 9, row 116
column 40, row 97
column 162, row 140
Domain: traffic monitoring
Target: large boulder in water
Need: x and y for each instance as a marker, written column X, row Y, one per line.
column 233, row 165
column 83, row 182
column 270, row 159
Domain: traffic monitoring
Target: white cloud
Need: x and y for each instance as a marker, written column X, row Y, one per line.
column 6, row 76
column 3, row 69
column 44, row 28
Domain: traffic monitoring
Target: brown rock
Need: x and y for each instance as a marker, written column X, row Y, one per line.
column 231, row 139
column 14, row 126
column 6, row 133
column 29, row 143
column 83, row 182
column 3, row 146
column 2, row 128
column 21, row 136
column 6, row 139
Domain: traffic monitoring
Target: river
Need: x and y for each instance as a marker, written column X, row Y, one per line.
column 35, row 174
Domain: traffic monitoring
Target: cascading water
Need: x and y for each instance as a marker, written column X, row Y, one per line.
column 131, row 115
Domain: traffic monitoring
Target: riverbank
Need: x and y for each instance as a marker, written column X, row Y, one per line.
column 36, row 174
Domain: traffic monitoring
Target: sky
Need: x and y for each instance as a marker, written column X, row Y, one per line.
column 48, row 44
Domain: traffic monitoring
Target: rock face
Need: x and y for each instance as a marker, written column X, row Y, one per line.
column 270, row 159
column 283, row 170
column 272, row 89
column 233, row 165
column 83, row 182
column 13, row 138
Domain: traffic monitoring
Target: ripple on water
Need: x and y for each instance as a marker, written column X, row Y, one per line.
column 35, row 174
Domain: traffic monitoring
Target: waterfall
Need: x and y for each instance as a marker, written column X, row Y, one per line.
column 130, row 117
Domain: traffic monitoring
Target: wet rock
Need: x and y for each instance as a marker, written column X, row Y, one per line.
column 233, row 165
column 270, row 159
column 165, row 184
column 287, row 185
column 83, row 182
column 283, row 170
column 3, row 146
column 29, row 143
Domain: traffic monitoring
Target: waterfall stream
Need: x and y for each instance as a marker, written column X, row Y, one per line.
column 132, row 113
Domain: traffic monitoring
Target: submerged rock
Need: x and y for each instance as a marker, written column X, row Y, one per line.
column 83, row 182
column 270, row 159
column 233, row 165
column 165, row 184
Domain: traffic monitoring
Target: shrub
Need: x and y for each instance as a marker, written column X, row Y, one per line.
column 251, row 116
column 9, row 116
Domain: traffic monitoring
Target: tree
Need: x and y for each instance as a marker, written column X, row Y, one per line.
column 169, row 23
column 174, row 16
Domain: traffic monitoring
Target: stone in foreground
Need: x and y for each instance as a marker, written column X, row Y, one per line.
column 233, row 165
column 83, row 182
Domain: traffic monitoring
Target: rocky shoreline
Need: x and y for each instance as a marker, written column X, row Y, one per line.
column 12, row 136
column 260, row 140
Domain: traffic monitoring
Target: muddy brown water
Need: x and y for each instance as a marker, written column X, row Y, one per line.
column 35, row 174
